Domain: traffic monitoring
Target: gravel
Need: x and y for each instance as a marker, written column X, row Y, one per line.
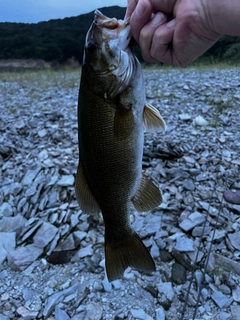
column 52, row 255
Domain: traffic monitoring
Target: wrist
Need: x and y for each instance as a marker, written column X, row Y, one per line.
column 223, row 16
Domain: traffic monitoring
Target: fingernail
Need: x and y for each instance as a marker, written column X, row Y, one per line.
column 171, row 23
column 140, row 9
column 157, row 19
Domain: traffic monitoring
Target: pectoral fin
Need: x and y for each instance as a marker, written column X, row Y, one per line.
column 147, row 197
column 152, row 119
column 84, row 196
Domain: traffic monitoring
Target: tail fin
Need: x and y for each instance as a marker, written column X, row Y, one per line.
column 128, row 253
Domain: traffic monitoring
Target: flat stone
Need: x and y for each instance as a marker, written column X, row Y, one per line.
column 30, row 176
column 166, row 289
column 235, row 311
column 201, row 231
column 13, row 189
column 218, row 261
column 27, row 314
column 12, row 224
column 221, row 299
column 153, row 224
column 44, row 235
column 206, row 206
column 154, row 250
column 57, row 297
column 184, row 244
column 193, row 220
column 84, row 252
column 224, row 315
column 66, row 181
column 3, row 254
column 8, row 241
column 22, row 257
column 218, row 235
column 235, row 239
column 139, row 314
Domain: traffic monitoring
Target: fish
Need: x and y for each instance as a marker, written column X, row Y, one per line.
column 112, row 115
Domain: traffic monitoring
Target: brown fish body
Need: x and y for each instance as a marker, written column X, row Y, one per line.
column 110, row 114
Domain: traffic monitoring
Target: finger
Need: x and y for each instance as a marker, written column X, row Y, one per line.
column 165, row 6
column 131, row 5
column 140, row 16
column 161, row 47
column 147, row 34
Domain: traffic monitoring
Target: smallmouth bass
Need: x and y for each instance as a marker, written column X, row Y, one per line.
column 112, row 114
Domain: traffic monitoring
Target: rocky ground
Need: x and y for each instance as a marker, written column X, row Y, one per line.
column 51, row 255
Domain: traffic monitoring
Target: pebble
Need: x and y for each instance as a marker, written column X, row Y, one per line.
column 94, row 311
column 160, row 314
column 6, row 209
column 188, row 184
column 84, row 252
column 61, row 314
column 200, row 121
column 236, row 294
column 185, row 116
column 179, row 274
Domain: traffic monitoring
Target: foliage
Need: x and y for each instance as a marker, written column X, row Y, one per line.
column 60, row 39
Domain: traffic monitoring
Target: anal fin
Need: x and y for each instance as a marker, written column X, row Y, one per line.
column 148, row 196
column 130, row 252
column 152, row 119
column 84, row 196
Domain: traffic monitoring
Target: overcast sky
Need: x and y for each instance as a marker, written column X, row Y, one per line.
column 30, row 11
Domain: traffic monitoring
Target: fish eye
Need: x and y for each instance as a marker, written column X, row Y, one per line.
column 91, row 47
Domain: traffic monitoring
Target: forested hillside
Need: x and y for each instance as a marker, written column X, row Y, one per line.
column 61, row 39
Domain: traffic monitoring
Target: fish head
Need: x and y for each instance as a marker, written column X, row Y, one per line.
column 107, row 55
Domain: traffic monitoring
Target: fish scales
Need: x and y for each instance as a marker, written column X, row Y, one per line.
column 110, row 117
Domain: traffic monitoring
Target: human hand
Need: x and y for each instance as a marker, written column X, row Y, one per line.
column 178, row 41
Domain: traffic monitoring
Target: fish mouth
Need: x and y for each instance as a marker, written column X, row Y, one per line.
column 112, row 28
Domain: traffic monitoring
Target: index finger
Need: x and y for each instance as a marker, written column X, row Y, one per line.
column 140, row 16
column 131, row 5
